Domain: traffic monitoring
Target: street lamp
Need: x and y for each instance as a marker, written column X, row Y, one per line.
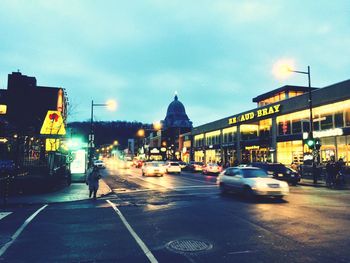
column 111, row 105
column 310, row 98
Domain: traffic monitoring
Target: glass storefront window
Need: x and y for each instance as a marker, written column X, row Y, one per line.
column 296, row 126
column 338, row 120
column 326, row 122
column 249, row 131
column 284, row 128
column 265, row 128
column 288, row 152
column 347, row 117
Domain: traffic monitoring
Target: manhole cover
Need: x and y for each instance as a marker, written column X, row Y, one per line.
column 188, row 245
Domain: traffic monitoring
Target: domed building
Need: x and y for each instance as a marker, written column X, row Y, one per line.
column 176, row 116
column 176, row 122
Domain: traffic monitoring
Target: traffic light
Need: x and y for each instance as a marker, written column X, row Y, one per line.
column 310, row 142
column 317, row 144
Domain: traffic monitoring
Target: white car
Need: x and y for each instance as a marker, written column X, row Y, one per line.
column 172, row 167
column 251, row 182
column 211, row 168
column 99, row 164
column 153, row 169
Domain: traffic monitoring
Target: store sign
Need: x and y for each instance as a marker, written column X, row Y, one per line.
column 154, row 150
column 53, row 124
column 255, row 114
column 52, row 145
column 325, row 133
column 253, row 147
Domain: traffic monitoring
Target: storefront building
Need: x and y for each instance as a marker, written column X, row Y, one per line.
column 275, row 131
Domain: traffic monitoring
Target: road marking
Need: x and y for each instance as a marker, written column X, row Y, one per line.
column 4, row 214
column 242, row 252
column 144, row 248
column 19, row 231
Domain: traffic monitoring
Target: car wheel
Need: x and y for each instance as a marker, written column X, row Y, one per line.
column 248, row 193
column 223, row 189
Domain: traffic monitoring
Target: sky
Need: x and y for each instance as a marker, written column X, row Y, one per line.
column 217, row 55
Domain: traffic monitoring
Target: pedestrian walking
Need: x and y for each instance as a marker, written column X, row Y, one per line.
column 92, row 181
column 315, row 172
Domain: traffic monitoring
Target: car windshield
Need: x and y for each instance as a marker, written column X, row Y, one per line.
column 154, row 164
column 277, row 168
column 174, row 164
column 254, row 173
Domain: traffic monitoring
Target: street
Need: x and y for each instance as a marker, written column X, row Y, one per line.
column 179, row 218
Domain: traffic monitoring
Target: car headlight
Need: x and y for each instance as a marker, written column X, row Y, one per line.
column 259, row 185
column 284, row 184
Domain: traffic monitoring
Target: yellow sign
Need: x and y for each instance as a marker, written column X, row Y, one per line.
column 253, row 147
column 3, row 109
column 53, row 124
column 52, row 144
column 255, row 114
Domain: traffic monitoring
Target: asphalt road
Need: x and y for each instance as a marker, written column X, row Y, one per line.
column 180, row 218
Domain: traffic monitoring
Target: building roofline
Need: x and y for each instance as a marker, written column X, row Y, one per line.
column 278, row 90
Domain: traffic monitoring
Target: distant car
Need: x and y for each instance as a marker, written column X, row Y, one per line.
column 183, row 165
column 280, row 172
column 153, row 169
column 251, row 181
column 211, row 168
column 172, row 167
column 99, row 164
column 195, row 166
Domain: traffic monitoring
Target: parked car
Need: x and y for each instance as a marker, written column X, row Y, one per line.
column 195, row 166
column 172, row 167
column 153, row 169
column 99, row 164
column 280, row 172
column 251, row 181
column 211, row 168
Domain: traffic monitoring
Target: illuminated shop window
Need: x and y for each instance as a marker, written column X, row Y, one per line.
column 284, row 127
column 249, row 131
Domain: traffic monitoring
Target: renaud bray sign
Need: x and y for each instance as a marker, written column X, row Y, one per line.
column 255, row 114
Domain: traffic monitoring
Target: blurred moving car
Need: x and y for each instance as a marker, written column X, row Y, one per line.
column 172, row 167
column 183, row 165
column 153, row 169
column 251, row 181
column 195, row 166
column 99, row 164
column 279, row 171
column 212, row 168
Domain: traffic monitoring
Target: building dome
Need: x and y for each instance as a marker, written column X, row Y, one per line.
column 176, row 116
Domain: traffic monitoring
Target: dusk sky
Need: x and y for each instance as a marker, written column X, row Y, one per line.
column 217, row 55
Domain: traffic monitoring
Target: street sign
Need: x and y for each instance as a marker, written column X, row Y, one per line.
column 53, row 124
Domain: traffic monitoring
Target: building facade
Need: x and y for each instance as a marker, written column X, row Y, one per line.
column 27, row 106
column 275, row 131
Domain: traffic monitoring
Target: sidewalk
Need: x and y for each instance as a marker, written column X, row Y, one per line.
column 320, row 183
column 75, row 192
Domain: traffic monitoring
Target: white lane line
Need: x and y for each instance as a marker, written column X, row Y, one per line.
column 242, row 252
column 144, row 248
column 4, row 214
column 19, row 231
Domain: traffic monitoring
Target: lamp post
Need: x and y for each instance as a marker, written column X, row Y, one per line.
column 310, row 98
column 111, row 106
